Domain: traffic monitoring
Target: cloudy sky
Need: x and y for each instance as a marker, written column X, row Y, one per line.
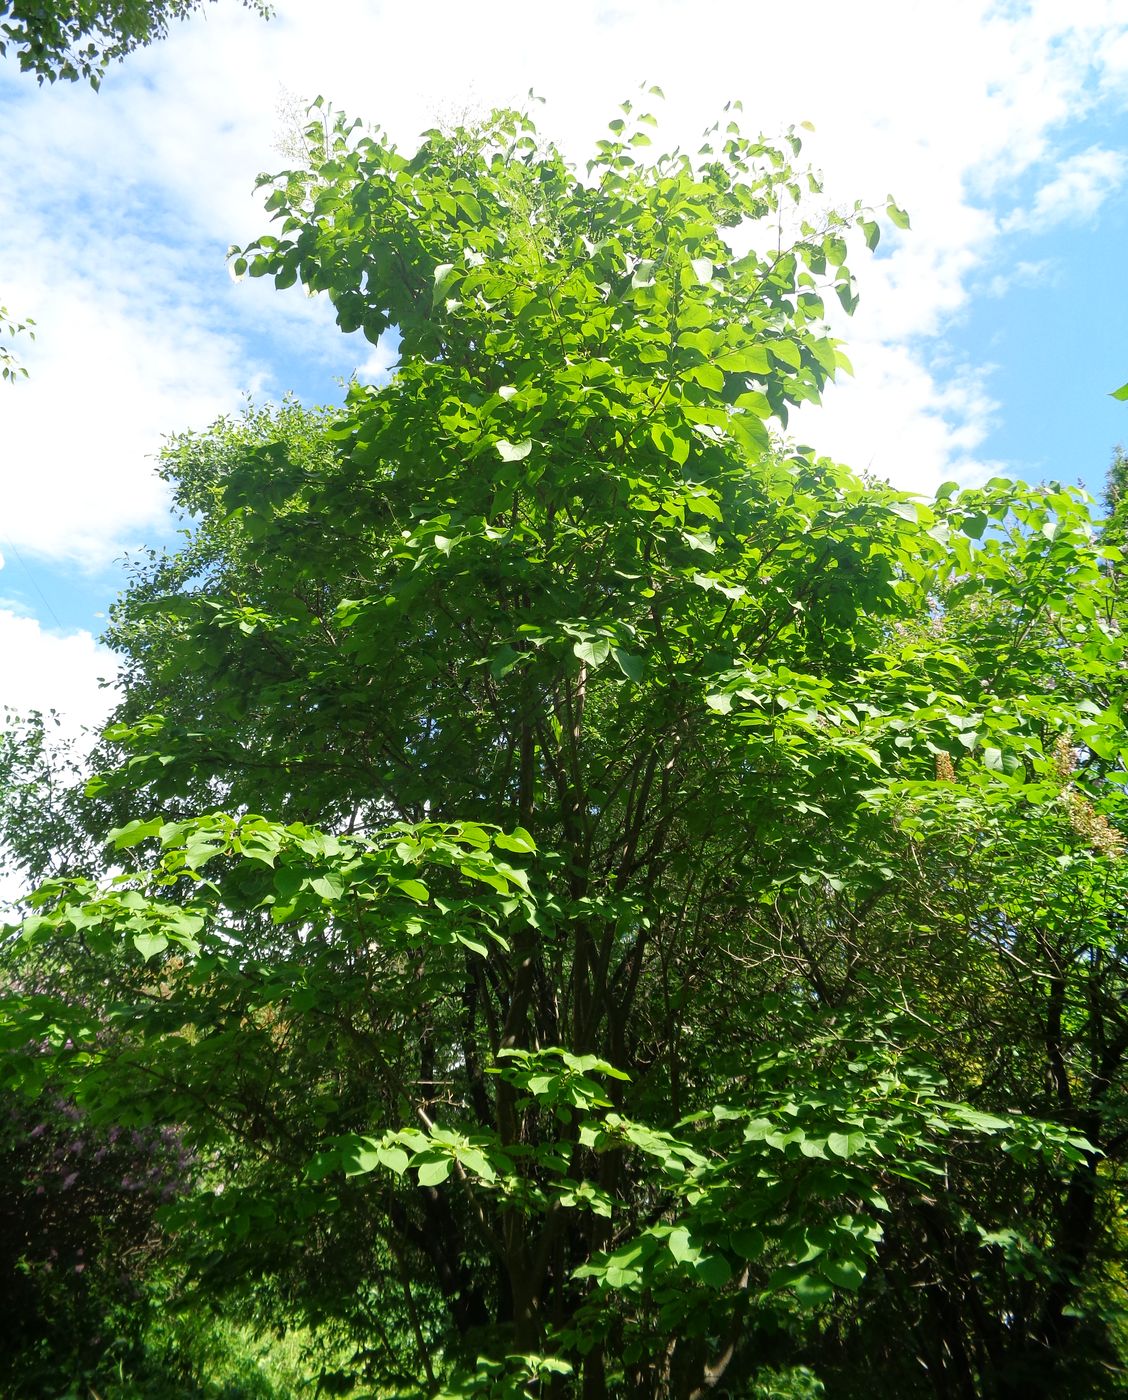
column 987, row 339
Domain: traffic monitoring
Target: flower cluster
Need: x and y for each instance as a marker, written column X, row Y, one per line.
column 1083, row 817
column 945, row 768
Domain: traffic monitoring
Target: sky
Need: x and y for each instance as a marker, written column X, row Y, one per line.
column 987, row 340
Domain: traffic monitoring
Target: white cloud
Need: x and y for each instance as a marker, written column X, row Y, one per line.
column 1025, row 273
column 1081, row 185
column 109, row 376
column 45, row 670
column 377, row 368
column 930, row 427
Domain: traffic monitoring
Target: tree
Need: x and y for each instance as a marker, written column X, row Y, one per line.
column 618, row 967
column 79, row 39
column 41, row 805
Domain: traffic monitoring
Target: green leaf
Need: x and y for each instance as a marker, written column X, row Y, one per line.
column 444, row 276
column 713, row 1270
column 434, row 1172
column 747, row 359
column 1121, row 393
column 633, row 667
column 514, row 451
column 394, row 1158
column 708, row 376
column 985, row 1122
column 150, row 944
column 748, row 1243
column 506, row 659
column 847, row 296
column 518, row 840
column 843, row 1273
column 700, row 539
column 360, row 1156
column 476, row 1162
column 134, row 832
column 678, row 1243
column 593, row 652
column 755, row 402
column 786, row 352
column 414, row 889
column 897, row 215
column 847, row 1144
column 811, row 1290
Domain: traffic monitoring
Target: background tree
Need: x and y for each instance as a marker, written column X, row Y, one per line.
column 79, row 39
column 43, row 815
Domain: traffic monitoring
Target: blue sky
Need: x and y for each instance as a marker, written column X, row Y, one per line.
column 987, row 339
column 1058, row 345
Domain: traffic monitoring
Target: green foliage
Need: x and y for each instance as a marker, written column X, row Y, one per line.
column 681, row 947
